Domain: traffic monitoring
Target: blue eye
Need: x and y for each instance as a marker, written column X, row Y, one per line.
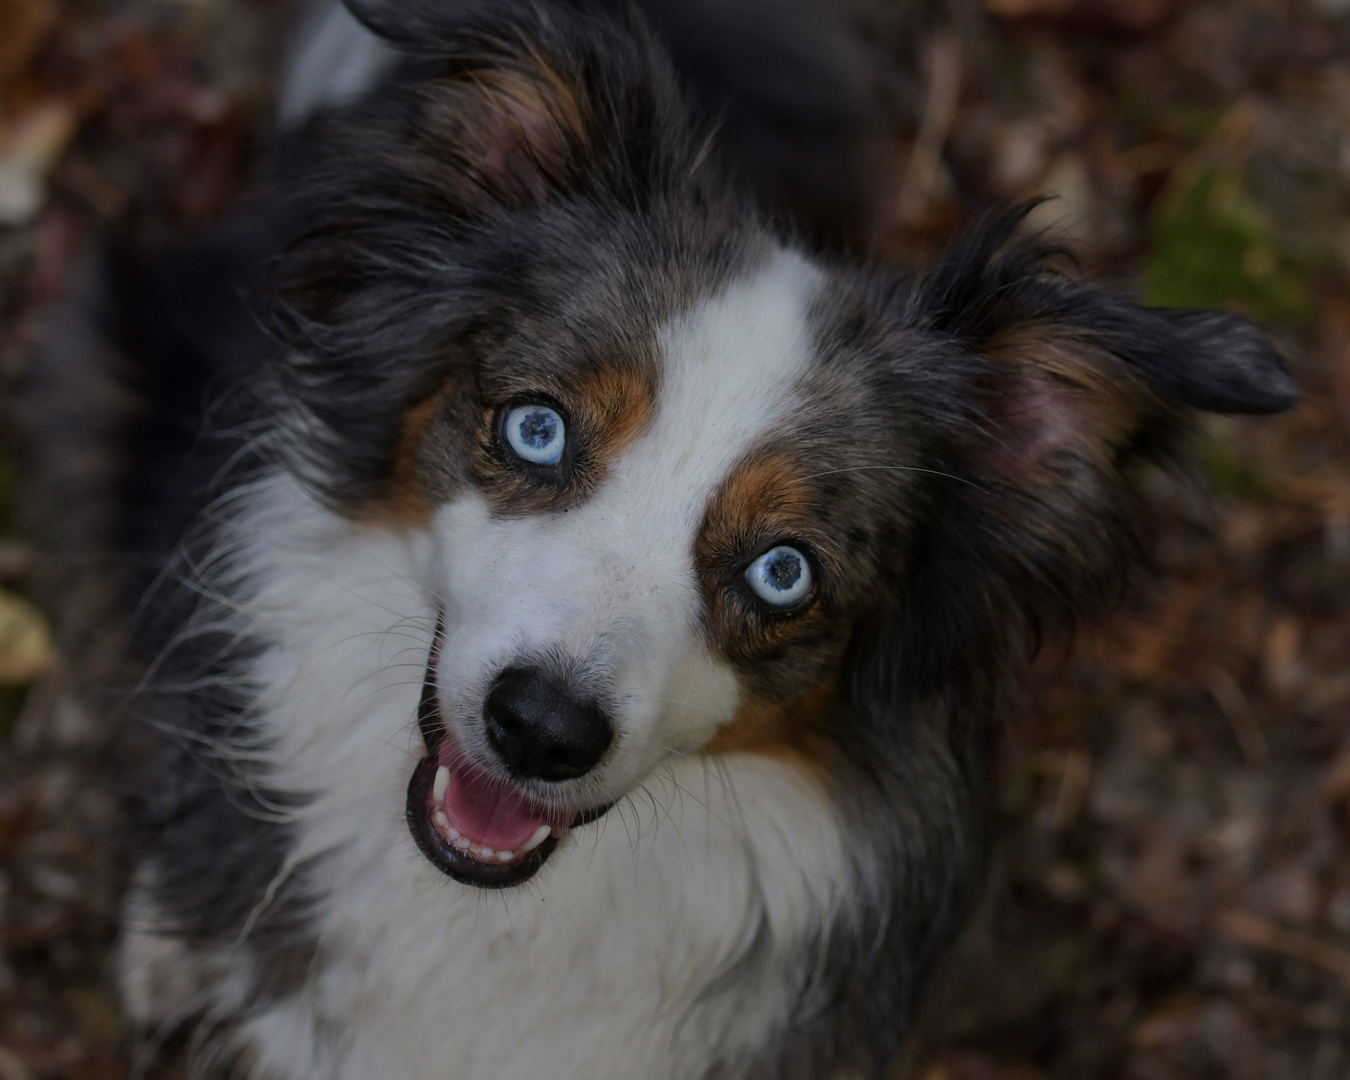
column 781, row 577
column 536, row 434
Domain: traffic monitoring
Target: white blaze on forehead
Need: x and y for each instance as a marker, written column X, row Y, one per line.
column 728, row 375
column 611, row 582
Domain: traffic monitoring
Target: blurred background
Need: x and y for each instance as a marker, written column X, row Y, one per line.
column 1172, row 894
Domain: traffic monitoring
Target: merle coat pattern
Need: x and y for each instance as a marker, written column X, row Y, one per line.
column 317, row 506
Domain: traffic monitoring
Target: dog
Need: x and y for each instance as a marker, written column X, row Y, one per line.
column 571, row 611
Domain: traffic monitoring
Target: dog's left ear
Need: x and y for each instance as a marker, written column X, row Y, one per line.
column 1066, row 387
column 1066, row 375
column 988, row 287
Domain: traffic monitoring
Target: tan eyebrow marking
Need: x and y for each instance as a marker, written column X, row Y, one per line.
column 608, row 405
column 786, row 663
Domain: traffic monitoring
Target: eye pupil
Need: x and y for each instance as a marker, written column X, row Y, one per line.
column 536, row 433
column 782, row 569
column 538, row 428
column 780, row 577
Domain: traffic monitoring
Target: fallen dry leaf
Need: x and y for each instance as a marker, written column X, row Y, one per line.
column 29, row 147
column 25, row 641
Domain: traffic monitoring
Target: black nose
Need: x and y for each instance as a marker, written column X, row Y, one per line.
column 542, row 729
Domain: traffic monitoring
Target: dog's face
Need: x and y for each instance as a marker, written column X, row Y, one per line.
column 643, row 558
column 689, row 490
column 651, row 538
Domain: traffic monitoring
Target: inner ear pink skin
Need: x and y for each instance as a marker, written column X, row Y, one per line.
column 1031, row 422
column 513, row 158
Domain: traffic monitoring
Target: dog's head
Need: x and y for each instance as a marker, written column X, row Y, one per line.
column 689, row 490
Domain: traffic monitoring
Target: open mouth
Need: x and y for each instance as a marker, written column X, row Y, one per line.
column 475, row 827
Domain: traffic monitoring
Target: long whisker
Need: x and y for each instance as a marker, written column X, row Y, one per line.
column 895, row 468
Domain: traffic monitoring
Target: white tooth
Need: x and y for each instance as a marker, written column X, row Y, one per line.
column 451, row 831
column 460, row 843
column 442, row 822
column 485, row 852
column 540, row 835
column 505, row 856
column 441, row 782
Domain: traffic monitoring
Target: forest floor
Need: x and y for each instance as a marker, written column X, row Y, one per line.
column 1172, row 894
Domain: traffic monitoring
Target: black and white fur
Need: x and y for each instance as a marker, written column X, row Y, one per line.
column 324, row 528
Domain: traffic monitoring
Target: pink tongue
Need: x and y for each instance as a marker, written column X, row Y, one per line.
column 488, row 811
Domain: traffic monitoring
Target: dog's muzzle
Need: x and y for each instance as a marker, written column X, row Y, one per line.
column 483, row 829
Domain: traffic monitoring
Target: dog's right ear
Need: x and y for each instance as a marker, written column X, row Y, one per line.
column 517, row 131
column 791, row 87
column 508, row 117
column 517, row 102
column 1066, row 389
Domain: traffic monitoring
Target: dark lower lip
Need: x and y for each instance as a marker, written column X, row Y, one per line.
column 457, row 864
column 449, row 861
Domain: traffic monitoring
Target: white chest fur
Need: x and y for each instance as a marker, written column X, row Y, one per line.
column 723, row 871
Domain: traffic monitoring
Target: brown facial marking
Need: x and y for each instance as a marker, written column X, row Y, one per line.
column 605, row 407
column 407, row 503
column 768, row 500
column 452, row 436
column 618, row 403
column 786, row 660
column 766, row 726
